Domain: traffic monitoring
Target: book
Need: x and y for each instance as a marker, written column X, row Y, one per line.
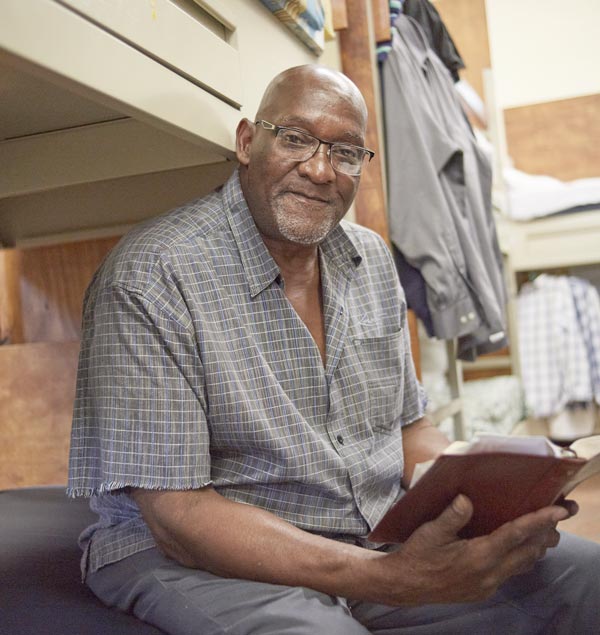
column 503, row 476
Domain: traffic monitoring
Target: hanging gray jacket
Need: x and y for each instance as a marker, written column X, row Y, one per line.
column 439, row 184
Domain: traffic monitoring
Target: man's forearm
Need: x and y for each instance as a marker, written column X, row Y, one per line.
column 422, row 441
column 202, row 529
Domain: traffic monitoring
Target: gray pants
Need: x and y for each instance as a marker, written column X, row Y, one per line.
column 560, row 596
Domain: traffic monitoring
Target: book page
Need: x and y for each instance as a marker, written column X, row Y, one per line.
column 587, row 447
column 591, row 468
column 458, row 447
column 535, row 445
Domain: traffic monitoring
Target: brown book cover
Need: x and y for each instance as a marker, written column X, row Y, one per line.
column 502, row 485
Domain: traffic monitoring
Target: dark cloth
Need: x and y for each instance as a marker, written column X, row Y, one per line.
column 440, row 40
column 41, row 588
column 437, row 34
column 415, row 290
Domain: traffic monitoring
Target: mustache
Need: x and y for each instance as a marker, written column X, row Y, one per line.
column 316, row 196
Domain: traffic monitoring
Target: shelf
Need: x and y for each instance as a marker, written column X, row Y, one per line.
column 565, row 240
column 102, row 69
column 95, row 152
column 101, row 89
column 179, row 34
column 86, row 106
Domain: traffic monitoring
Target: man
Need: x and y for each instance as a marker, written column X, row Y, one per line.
column 247, row 406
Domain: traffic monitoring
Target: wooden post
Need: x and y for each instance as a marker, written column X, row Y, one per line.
column 340, row 14
column 357, row 48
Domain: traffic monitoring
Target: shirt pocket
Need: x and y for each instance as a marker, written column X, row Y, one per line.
column 382, row 360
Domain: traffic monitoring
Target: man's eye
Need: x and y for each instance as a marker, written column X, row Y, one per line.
column 347, row 153
column 294, row 138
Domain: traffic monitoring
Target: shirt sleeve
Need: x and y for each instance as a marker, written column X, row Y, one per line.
column 140, row 411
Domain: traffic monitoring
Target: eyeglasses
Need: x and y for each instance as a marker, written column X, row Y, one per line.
column 301, row 146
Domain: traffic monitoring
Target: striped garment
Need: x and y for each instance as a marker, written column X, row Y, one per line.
column 559, row 343
column 196, row 370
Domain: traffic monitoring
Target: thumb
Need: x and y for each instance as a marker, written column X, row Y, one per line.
column 453, row 518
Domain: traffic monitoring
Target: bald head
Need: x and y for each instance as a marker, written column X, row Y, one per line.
column 309, row 78
column 298, row 200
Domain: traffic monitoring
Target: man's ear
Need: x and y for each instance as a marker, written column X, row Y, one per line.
column 243, row 140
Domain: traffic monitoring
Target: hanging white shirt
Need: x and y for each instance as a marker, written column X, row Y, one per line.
column 554, row 359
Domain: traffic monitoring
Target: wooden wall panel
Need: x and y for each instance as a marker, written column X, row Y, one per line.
column 466, row 22
column 558, row 138
column 381, row 20
column 339, row 14
column 37, row 377
column 11, row 326
column 53, row 282
column 37, row 388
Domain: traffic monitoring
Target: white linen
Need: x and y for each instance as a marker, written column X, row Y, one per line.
column 531, row 196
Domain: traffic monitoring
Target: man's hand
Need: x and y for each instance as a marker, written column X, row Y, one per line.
column 439, row 567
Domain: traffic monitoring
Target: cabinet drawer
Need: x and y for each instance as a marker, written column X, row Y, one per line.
column 193, row 38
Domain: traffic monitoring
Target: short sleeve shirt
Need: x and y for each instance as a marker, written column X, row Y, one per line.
column 195, row 370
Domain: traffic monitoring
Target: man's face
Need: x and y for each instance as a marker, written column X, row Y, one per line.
column 301, row 202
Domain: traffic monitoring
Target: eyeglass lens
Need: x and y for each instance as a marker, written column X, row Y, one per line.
column 344, row 158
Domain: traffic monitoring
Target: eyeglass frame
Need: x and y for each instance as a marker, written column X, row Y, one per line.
column 267, row 125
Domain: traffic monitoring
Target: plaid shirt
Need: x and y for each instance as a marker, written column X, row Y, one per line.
column 587, row 308
column 196, row 370
column 559, row 343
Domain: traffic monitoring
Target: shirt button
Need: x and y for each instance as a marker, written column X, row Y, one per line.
column 463, row 319
column 340, row 439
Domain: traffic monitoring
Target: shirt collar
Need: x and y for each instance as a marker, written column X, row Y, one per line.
column 260, row 267
column 340, row 250
column 261, row 270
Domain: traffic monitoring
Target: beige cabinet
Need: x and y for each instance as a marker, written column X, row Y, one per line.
column 103, row 89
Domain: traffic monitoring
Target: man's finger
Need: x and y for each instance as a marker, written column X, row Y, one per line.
column 447, row 525
column 522, row 529
column 570, row 505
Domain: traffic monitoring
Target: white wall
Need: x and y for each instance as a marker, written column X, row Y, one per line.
column 543, row 50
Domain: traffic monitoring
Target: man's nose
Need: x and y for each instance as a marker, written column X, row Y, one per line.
column 318, row 168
